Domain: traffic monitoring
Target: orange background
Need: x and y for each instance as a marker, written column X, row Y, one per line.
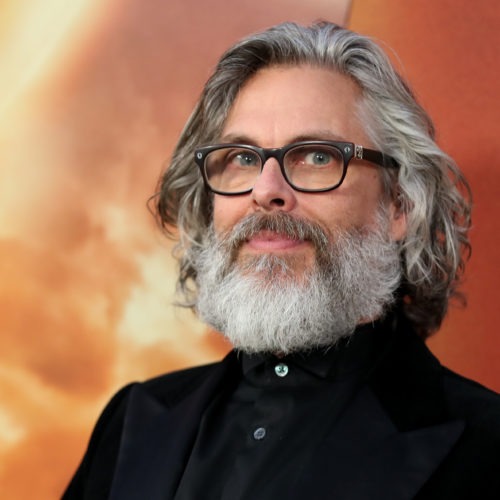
column 94, row 95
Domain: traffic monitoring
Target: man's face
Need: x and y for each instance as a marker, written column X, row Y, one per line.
column 286, row 271
column 282, row 105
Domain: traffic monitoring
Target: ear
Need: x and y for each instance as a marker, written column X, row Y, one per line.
column 397, row 221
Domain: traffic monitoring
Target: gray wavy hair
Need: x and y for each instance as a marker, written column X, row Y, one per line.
column 428, row 186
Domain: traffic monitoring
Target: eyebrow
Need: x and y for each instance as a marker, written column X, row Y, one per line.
column 313, row 135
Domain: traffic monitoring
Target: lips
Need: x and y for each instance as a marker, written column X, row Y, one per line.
column 279, row 232
column 272, row 241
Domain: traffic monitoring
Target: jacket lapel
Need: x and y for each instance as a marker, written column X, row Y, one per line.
column 394, row 433
column 156, row 440
column 367, row 457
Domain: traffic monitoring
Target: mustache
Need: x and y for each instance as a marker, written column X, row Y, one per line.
column 282, row 223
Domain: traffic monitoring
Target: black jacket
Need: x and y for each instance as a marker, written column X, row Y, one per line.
column 414, row 430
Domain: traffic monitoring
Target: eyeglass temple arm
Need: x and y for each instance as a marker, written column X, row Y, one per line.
column 361, row 153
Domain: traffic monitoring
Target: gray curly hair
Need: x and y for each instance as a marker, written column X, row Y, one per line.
column 428, row 187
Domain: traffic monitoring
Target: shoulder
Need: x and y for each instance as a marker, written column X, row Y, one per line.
column 170, row 388
column 471, row 469
column 173, row 386
column 93, row 477
column 167, row 389
column 163, row 386
column 417, row 390
column 472, row 402
column 479, row 408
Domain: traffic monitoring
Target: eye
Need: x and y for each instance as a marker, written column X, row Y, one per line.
column 318, row 157
column 245, row 158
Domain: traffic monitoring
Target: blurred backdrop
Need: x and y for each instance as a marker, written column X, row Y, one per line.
column 93, row 96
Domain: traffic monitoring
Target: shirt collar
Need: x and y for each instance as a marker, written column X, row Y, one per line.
column 349, row 355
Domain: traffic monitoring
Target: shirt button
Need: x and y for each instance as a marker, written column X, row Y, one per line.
column 281, row 370
column 259, row 433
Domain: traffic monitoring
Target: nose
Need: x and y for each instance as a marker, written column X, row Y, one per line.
column 271, row 191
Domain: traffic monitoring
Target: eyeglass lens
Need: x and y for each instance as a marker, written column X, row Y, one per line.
column 311, row 167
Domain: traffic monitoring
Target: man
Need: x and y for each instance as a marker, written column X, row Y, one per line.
column 323, row 232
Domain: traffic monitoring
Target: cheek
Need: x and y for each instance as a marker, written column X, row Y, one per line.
column 354, row 204
column 370, row 197
column 228, row 210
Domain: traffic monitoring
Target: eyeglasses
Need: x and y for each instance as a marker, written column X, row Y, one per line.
column 307, row 166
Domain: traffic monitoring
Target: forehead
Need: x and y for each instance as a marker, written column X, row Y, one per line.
column 279, row 104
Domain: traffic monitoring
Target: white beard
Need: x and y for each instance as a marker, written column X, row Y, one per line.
column 261, row 305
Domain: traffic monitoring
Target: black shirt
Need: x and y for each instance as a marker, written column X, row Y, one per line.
column 254, row 441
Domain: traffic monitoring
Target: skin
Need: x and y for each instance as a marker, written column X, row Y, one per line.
column 281, row 105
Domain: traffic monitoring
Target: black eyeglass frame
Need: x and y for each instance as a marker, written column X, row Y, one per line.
column 349, row 151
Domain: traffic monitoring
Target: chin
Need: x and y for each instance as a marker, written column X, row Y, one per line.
column 275, row 265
